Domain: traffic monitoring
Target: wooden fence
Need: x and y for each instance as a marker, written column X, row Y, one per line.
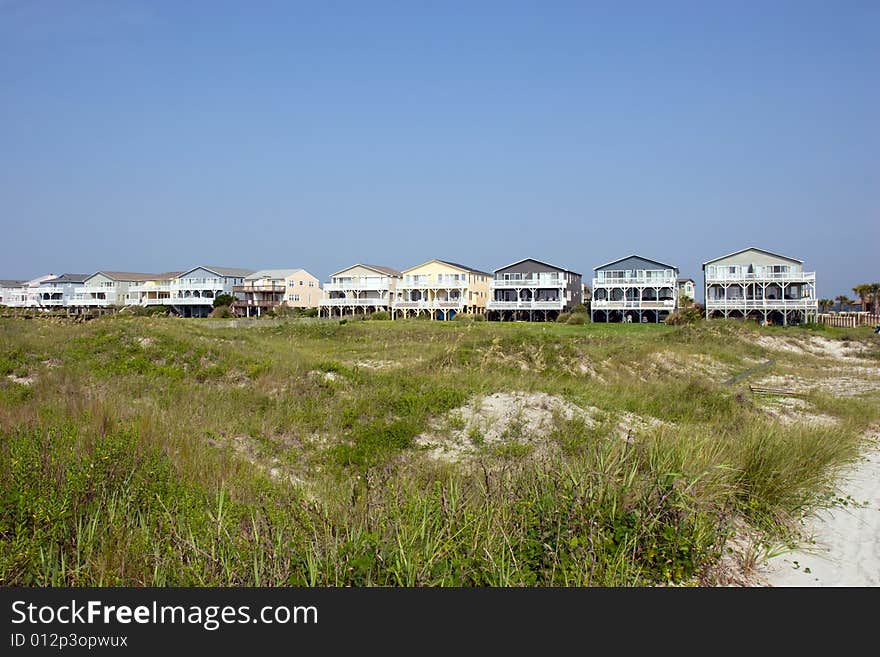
column 849, row 320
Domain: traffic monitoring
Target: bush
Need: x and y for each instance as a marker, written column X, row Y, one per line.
column 381, row 315
column 580, row 309
column 684, row 316
column 150, row 311
column 468, row 317
column 223, row 300
column 221, row 312
column 563, row 318
column 577, row 318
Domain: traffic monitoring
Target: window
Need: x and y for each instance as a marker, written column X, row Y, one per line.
column 311, row 283
column 293, row 297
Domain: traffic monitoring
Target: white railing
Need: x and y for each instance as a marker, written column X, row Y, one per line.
column 356, row 287
column 849, row 320
column 662, row 281
column 353, row 302
column 439, row 285
column 762, row 304
column 186, row 301
column 793, row 277
column 527, row 282
column 151, row 287
column 86, row 300
column 428, row 305
column 525, row 305
column 644, row 304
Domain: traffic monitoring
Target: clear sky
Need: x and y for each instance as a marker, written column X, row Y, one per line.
column 150, row 136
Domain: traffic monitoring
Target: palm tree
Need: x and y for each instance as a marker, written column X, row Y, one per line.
column 874, row 293
column 842, row 300
column 825, row 304
column 864, row 292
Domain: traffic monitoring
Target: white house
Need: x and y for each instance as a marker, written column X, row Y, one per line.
column 359, row 288
column 758, row 284
column 634, row 289
column 193, row 292
column 106, row 289
column 12, row 293
column 59, row 291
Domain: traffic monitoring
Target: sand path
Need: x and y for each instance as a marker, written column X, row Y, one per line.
column 847, row 540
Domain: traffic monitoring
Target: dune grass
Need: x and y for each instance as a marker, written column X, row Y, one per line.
column 154, row 451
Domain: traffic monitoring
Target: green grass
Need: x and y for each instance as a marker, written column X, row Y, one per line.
column 157, row 451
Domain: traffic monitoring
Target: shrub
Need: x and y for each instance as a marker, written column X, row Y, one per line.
column 577, row 318
column 684, row 316
column 223, row 300
column 468, row 317
column 563, row 318
column 222, row 312
column 149, row 311
column 381, row 315
column 581, row 309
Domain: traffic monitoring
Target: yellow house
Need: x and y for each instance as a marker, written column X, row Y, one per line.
column 441, row 290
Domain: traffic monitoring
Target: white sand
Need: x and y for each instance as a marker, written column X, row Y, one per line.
column 847, row 540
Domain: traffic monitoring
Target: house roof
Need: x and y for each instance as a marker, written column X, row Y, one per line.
column 451, row 264
column 542, row 262
column 636, row 255
column 67, row 278
column 376, row 268
column 234, row 272
column 11, row 283
column 127, row 276
column 685, row 280
column 753, row 248
column 272, row 273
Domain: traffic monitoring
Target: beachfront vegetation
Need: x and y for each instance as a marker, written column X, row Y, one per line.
column 163, row 451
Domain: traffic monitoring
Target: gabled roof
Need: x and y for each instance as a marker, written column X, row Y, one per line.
column 636, row 255
column 451, row 264
column 126, row 276
column 379, row 269
column 66, row 278
column 685, row 280
column 12, row 283
column 753, row 248
column 272, row 273
column 234, row 272
column 540, row 262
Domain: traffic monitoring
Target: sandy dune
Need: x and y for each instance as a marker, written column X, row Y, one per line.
column 847, row 540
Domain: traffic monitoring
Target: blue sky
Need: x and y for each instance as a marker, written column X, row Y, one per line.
column 152, row 136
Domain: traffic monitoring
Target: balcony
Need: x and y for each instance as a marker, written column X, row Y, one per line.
column 353, row 302
column 186, row 301
column 429, row 305
column 150, row 287
column 762, row 304
column 787, row 277
column 525, row 305
column 432, row 285
column 357, row 287
column 637, row 281
column 256, row 303
column 534, row 282
column 110, row 300
column 634, row 304
column 272, row 287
